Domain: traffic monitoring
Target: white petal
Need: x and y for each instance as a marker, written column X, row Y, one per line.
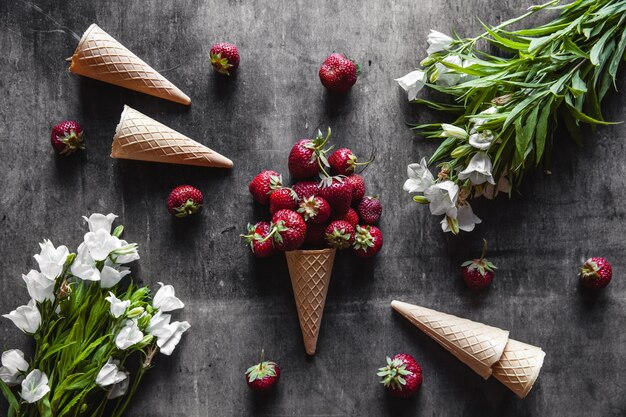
column 120, row 388
column 27, row 318
column 165, row 299
column 159, row 325
column 51, row 259
column 39, row 287
column 109, row 276
column 99, row 221
column 118, row 307
column 34, row 386
column 168, row 344
column 412, row 83
column 129, row 336
column 438, row 42
column 13, row 367
column 467, row 219
column 110, row 374
column 100, row 244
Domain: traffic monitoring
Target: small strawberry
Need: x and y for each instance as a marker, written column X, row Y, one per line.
column 596, row 273
column 402, row 376
column 340, row 234
column 283, row 198
column 224, row 57
column 66, row 137
column 264, row 184
column 315, row 210
column 262, row 376
column 337, row 192
column 308, row 157
column 261, row 244
column 367, row 241
column 289, row 230
column 338, row 73
column 184, row 200
column 306, row 189
column 478, row 273
column 358, row 187
column 343, row 162
column 350, row 216
column 369, row 209
column 315, row 235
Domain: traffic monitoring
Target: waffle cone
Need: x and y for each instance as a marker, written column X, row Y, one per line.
column 100, row 56
column 475, row 344
column 310, row 275
column 519, row 367
column 141, row 138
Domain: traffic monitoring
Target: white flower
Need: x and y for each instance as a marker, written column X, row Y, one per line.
column 13, row 367
column 466, row 218
column 27, row 318
column 84, row 267
column 39, row 287
column 165, row 299
column 443, row 197
column 51, row 260
column 118, row 307
column 158, row 326
column 479, row 121
column 168, row 342
column 129, row 335
column 478, row 170
column 420, row 178
column 125, row 253
column 120, row 388
column 99, row 221
column 112, row 274
column 100, row 244
column 490, row 191
column 110, row 374
column 447, row 76
column 481, row 140
column 438, row 41
column 35, row 386
column 412, row 83
column 452, row 131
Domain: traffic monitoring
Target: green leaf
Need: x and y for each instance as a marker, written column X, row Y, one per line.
column 598, row 47
column 8, row 394
column 588, row 119
column 542, row 129
column 443, row 150
column 56, row 349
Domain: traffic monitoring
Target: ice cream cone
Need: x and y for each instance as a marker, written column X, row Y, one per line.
column 475, row 344
column 519, row 366
column 141, row 138
column 310, row 275
column 100, row 56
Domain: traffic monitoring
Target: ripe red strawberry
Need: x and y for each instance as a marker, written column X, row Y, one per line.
column 315, row 235
column 66, row 137
column 358, row 187
column 289, row 230
column 262, row 376
column 369, row 209
column 306, row 189
column 402, row 376
column 343, row 162
column 350, row 216
column 264, row 184
column 184, row 200
column 283, row 198
column 224, row 57
column 338, row 73
column 367, row 241
column 261, row 244
column 596, row 273
column 308, row 156
column 478, row 273
column 340, row 234
column 315, row 210
column 337, row 192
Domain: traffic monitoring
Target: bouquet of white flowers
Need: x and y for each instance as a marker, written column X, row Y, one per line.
column 87, row 328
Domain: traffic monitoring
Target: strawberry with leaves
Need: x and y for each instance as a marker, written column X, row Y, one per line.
column 478, row 273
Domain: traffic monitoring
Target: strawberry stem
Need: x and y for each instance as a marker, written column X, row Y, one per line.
column 482, row 255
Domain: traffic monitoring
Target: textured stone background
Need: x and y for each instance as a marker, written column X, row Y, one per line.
column 237, row 305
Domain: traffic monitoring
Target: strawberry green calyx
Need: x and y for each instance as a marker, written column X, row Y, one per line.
column 261, row 370
column 188, row 208
column 393, row 374
column 252, row 236
column 339, row 239
column 482, row 265
column 590, row 270
column 319, row 153
column 276, row 182
column 220, row 64
column 72, row 142
column 309, row 207
column 363, row 239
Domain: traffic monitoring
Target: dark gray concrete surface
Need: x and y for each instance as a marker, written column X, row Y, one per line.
column 237, row 305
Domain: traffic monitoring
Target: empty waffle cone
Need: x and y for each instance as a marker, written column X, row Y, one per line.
column 141, row 138
column 100, row 56
column 475, row 344
column 310, row 275
column 519, row 367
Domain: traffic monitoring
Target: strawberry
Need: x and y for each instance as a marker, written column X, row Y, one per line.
column 184, row 200
column 367, row 241
column 358, row 187
column 283, row 198
column 315, row 210
column 338, row 73
column 260, row 242
column 66, row 137
column 478, row 273
column 350, row 216
column 402, row 376
column 264, row 184
column 596, row 273
column 337, row 192
column 289, row 230
column 308, row 157
column 224, row 57
column 315, row 235
column 344, row 162
column 340, row 234
column 262, row 376
column 306, row 189
column 369, row 209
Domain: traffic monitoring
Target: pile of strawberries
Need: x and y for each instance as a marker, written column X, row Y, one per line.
column 325, row 207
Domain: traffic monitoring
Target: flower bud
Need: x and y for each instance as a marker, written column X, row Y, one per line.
column 428, row 61
column 144, row 321
column 452, row 131
column 460, row 151
column 147, row 339
column 420, row 199
column 135, row 312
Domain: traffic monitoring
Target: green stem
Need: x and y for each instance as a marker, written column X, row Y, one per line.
column 119, row 410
